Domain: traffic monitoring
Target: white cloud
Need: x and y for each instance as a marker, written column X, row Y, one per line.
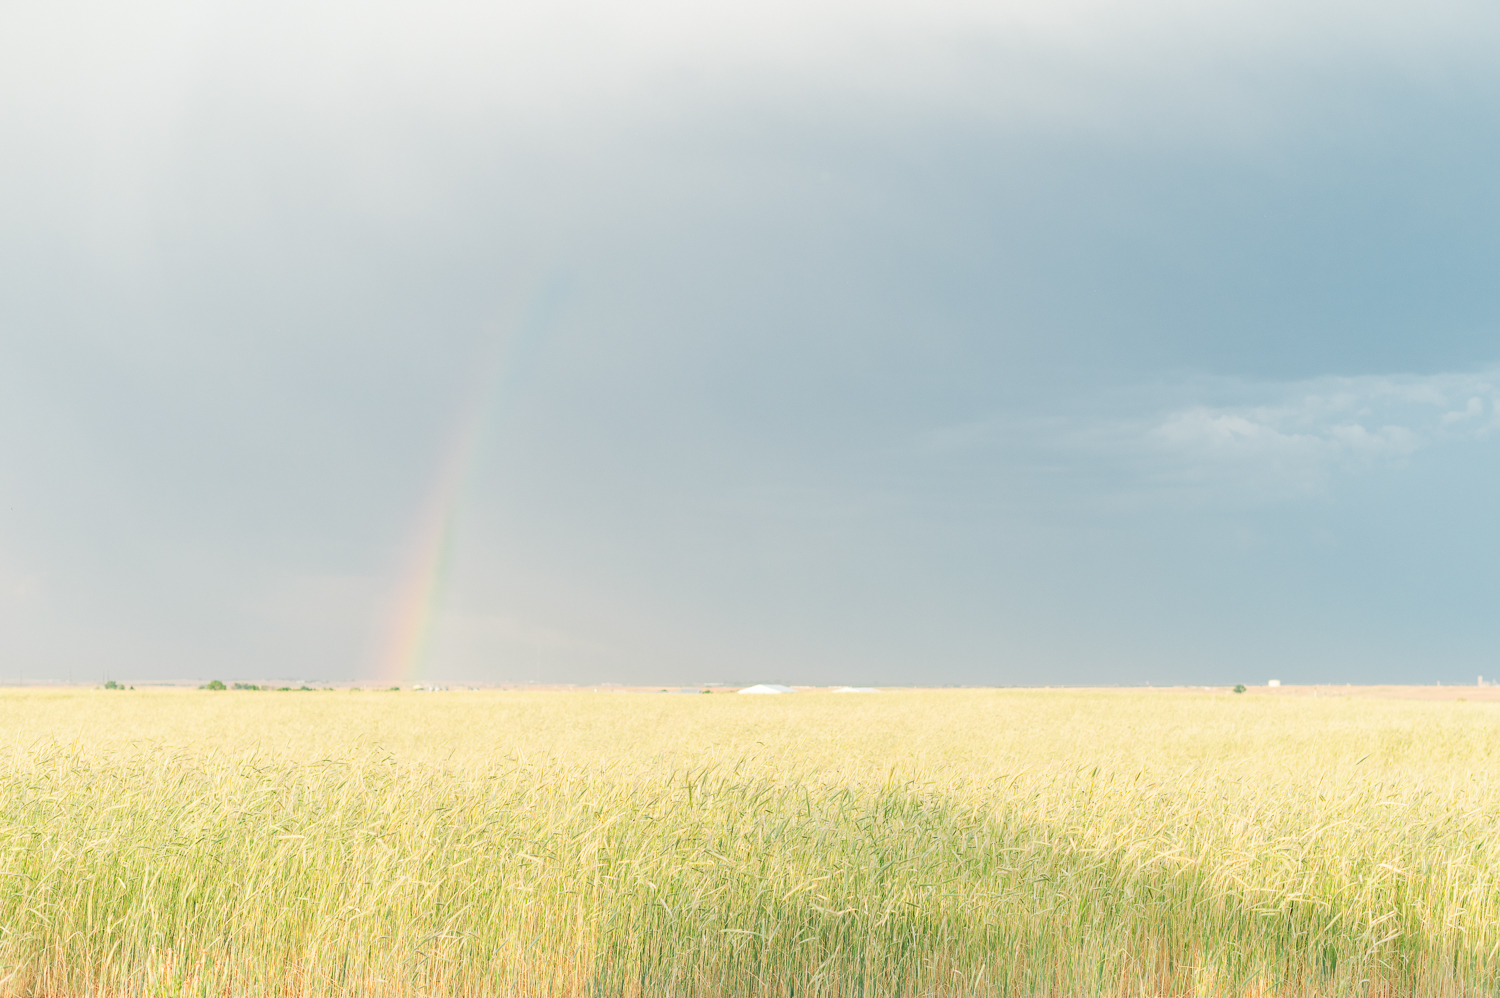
column 1473, row 409
column 1238, row 441
column 1296, row 436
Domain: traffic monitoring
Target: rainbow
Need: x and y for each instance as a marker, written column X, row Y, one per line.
column 408, row 631
column 410, row 628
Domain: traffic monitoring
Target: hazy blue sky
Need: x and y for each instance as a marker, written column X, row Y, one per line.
column 1037, row 342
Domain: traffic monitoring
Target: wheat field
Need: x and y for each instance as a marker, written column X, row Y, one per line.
column 1025, row 843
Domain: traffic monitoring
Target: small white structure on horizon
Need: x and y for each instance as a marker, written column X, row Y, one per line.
column 856, row 689
column 766, row 688
column 1273, row 682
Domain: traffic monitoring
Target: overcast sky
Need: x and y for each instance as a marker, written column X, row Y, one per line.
column 1017, row 343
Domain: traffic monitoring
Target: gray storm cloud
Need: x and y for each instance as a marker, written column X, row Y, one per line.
column 1093, row 259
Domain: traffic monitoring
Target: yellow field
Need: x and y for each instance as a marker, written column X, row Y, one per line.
column 901, row 844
